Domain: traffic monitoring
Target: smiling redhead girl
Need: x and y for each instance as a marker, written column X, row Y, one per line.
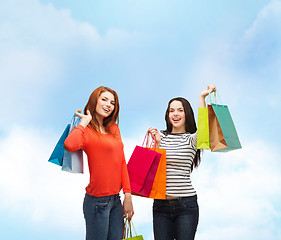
column 99, row 137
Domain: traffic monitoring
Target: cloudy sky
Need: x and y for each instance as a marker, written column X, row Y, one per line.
column 53, row 54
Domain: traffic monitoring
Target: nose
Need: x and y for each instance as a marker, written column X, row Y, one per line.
column 107, row 104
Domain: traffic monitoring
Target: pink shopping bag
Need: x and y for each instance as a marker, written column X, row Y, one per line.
column 142, row 168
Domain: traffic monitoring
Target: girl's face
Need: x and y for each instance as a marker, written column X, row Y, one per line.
column 105, row 104
column 177, row 116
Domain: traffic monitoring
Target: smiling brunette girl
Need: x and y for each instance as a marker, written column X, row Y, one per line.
column 177, row 216
column 99, row 137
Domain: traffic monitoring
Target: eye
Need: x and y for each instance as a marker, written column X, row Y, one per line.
column 113, row 103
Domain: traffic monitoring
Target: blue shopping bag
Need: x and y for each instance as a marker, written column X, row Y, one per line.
column 58, row 152
column 73, row 161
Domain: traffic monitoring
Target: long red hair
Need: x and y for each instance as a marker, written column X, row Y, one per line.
column 92, row 104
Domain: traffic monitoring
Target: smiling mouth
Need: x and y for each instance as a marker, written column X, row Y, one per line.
column 176, row 119
column 106, row 110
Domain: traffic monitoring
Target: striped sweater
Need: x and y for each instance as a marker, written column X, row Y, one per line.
column 180, row 149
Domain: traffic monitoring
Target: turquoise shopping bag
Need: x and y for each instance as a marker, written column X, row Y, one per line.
column 58, row 152
column 227, row 127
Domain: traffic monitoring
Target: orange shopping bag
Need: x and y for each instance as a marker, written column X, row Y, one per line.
column 158, row 190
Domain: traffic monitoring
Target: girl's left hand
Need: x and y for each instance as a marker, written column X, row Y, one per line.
column 128, row 206
column 155, row 135
column 205, row 92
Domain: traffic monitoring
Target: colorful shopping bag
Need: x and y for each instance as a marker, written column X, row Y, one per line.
column 142, row 168
column 203, row 137
column 58, row 152
column 127, row 231
column 158, row 190
column 227, row 127
column 73, row 161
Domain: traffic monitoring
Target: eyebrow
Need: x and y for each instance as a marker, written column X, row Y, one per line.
column 177, row 108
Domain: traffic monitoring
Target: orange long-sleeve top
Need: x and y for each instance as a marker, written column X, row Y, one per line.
column 106, row 159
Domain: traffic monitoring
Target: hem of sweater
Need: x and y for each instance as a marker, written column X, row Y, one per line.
column 127, row 191
column 183, row 195
column 103, row 194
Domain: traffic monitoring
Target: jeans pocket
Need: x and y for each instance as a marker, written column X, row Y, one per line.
column 158, row 205
column 102, row 202
column 190, row 204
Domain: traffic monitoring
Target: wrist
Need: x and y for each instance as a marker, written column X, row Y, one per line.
column 84, row 123
column 203, row 95
column 127, row 195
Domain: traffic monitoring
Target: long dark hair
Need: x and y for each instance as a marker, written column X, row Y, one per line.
column 190, row 125
column 91, row 106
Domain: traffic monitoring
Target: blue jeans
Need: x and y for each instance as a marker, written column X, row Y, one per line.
column 175, row 218
column 104, row 217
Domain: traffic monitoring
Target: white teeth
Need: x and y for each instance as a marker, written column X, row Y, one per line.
column 107, row 110
column 176, row 119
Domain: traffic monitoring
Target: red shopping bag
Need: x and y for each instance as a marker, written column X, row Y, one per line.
column 142, row 168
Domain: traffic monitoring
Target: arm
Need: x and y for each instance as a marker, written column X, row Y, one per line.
column 127, row 203
column 125, row 181
column 205, row 93
column 75, row 139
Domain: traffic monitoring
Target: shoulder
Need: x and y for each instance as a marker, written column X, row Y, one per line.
column 163, row 133
column 114, row 129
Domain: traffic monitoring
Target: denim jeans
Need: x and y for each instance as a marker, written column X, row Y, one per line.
column 104, row 217
column 175, row 218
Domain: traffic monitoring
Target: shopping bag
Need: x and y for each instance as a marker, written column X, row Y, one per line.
column 142, row 168
column 127, row 231
column 73, row 161
column 227, row 127
column 203, row 137
column 158, row 190
column 217, row 141
column 58, row 152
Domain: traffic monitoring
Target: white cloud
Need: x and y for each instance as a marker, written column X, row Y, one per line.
column 238, row 191
column 36, row 189
column 40, row 192
column 260, row 44
column 244, row 68
column 40, row 48
column 267, row 21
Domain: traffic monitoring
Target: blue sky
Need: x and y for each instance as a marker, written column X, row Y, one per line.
column 55, row 53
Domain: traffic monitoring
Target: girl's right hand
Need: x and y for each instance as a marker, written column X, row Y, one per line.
column 155, row 135
column 85, row 119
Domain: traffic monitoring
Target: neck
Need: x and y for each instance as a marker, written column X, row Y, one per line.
column 100, row 120
column 178, row 130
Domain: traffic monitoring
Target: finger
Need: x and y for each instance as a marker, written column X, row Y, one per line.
column 131, row 213
column 78, row 113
